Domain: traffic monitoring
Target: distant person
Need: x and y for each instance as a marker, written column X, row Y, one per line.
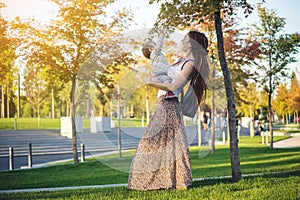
column 205, row 121
column 92, row 111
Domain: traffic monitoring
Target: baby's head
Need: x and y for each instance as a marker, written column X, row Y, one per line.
column 147, row 48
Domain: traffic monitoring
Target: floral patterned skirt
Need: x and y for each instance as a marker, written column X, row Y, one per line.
column 162, row 159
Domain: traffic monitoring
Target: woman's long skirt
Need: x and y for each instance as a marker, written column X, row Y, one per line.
column 162, row 159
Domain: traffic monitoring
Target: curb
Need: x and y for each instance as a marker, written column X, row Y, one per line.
column 62, row 188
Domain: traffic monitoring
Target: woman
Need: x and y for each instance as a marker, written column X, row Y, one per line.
column 162, row 159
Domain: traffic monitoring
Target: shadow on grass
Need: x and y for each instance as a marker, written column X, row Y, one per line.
column 218, row 181
column 252, row 159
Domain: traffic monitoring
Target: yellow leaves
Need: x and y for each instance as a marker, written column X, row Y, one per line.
column 121, row 14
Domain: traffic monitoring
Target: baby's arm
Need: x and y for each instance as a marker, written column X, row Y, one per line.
column 158, row 47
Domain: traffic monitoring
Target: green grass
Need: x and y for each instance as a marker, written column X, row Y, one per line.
column 254, row 158
column 274, row 186
column 48, row 123
column 32, row 123
column 130, row 122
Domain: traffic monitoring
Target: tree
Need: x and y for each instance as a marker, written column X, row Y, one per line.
column 278, row 51
column 78, row 29
column 35, row 88
column 248, row 104
column 64, row 46
column 106, row 74
column 242, row 53
column 7, row 67
column 183, row 13
column 281, row 102
column 293, row 97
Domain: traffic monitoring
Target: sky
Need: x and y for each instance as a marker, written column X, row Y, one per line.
column 145, row 14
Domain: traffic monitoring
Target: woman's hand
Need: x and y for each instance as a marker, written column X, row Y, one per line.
column 161, row 86
column 176, row 81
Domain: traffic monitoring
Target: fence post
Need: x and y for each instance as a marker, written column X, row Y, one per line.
column 29, row 155
column 82, row 153
column 11, row 158
column 262, row 137
column 267, row 137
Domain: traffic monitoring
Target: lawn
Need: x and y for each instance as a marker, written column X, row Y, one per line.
column 255, row 158
column 32, row 123
column 49, row 123
column 29, row 123
column 275, row 186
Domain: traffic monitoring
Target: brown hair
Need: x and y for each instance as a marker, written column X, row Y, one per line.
column 146, row 49
column 201, row 69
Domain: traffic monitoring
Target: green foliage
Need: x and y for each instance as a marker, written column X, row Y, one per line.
column 281, row 102
column 182, row 14
column 8, row 70
column 249, row 103
column 7, row 53
column 278, row 49
column 293, row 97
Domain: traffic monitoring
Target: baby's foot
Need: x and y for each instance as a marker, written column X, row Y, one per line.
column 155, row 79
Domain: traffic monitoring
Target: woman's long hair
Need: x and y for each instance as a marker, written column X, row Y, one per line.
column 199, row 44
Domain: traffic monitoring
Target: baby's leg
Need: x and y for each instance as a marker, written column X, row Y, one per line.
column 165, row 79
column 156, row 79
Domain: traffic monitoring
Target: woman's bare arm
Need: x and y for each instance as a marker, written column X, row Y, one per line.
column 177, row 81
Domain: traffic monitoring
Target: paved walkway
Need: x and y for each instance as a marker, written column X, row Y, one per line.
column 288, row 143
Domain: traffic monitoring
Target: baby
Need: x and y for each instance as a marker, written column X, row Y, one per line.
column 160, row 65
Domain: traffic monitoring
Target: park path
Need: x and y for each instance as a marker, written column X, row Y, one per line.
column 288, row 143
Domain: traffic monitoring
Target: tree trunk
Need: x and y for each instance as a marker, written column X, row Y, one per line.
column 7, row 101
column 119, row 124
column 101, row 107
column 38, row 116
column 270, row 104
column 73, row 110
column 271, row 128
column 2, row 101
column 213, row 133
column 52, row 104
column 199, row 128
column 147, row 106
column 234, row 154
column 19, row 96
column 67, row 109
column 251, row 123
